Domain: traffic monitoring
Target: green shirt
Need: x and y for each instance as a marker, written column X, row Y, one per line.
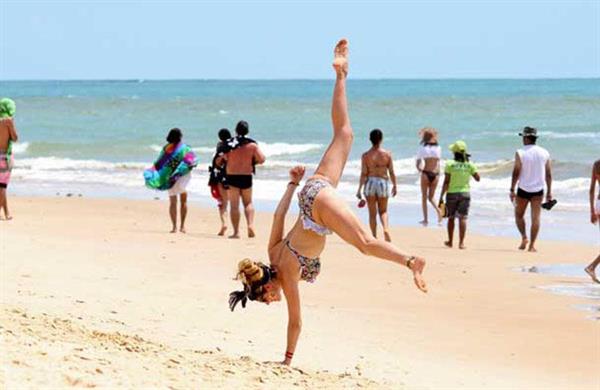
column 460, row 175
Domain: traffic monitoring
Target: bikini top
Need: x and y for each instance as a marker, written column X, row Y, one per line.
column 429, row 151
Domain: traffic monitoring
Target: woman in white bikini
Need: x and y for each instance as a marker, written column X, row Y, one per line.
column 428, row 165
column 295, row 257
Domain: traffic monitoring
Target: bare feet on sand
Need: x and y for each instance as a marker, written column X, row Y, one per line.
column 417, row 267
column 251, row 233
column 531, row 249
column 7, row 218
column 524, row 242
column 174, row 230
column 340, row 58
column 234, row 236
column 462, row 246
column 590, row 271
column 387, row 237
column 222, row 231
column 448, row 244
column 182, row 230
column 424, row 223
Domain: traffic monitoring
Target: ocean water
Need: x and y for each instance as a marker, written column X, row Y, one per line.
column 96, row 137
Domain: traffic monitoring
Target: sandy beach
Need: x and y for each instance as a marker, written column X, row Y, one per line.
column 97, row 293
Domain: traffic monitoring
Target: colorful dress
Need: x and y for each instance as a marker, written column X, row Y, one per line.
column 174, row 162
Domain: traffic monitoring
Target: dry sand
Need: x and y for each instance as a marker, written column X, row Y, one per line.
column 96, row 293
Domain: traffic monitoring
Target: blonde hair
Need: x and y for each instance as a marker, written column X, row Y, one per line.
column 428, row 135
column 249, row 271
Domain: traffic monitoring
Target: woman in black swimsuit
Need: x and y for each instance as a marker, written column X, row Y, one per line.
column 295, row 256
column 428, row 164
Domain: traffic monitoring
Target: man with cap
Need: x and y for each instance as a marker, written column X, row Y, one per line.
column 8, row 135
column 532, row 169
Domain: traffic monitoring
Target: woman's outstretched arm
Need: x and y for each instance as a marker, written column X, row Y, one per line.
column 292, row 297
column 277, row 228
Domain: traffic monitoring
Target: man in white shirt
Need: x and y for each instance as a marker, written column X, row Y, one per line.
column 532, row 169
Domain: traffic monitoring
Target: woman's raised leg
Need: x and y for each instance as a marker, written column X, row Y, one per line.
column 335, row 157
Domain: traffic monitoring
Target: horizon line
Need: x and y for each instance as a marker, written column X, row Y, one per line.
column 316, row 79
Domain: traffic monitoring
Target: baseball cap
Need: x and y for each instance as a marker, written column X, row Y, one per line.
column 459, row 146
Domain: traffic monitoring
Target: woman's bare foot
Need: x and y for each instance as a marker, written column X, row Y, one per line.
column 182, row 230
column 531, row 249
column 524, row 243
column 387, row 237
column 235, row 236
column 462, row 246
column 340, row 58
column 6, row 218
column 417, row 267
column 590, row 271
column 222, row 231
column 448, row 244
column 424, row 222
column 174, row 230
column 251, row 233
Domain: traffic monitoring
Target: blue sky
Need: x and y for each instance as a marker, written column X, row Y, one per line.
column 267, row 40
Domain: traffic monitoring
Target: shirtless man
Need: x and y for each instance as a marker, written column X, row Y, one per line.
column 594, row 215
column 8, row 135
column 375, row 165
column 240, row 167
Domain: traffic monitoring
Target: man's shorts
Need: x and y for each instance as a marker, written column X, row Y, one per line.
column 457, row 204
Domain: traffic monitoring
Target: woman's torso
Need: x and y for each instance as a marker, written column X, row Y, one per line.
column 431, row 155
column 377, row 161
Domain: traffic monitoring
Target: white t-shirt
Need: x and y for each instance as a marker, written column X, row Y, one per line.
column 533, row 168
column 429, row 151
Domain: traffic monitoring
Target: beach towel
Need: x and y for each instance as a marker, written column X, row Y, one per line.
column 173, row 162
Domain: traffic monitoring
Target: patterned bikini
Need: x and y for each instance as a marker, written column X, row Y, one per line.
column 309, row 267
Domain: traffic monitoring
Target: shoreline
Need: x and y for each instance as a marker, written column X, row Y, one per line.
column 110, row 266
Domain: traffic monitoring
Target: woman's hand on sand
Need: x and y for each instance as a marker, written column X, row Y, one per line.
column 286, row 362
column 417, row 269
column 297, row 173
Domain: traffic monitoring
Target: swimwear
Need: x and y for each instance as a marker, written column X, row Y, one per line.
column 528, row 195
column 243, row 182
column 6, row 164
column 377, row 186
column 309, row 268
column 431, row 176
column 457, row 204
column 306, row 199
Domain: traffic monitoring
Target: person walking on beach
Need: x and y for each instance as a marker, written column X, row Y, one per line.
column 295, row 256
column 172, row 171
column 217, row 180
column 532, row 168
column 594, row 215
column 428, row 165
column 241, row 161
column 457, row 175
column 8, row 135
column 376, row 163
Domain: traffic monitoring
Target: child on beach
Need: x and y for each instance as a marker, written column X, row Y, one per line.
column 8, row 135
column 457, row 175
column 295, row 256
column 217, row 179
column 172, row 171
column 428, row 165
column 594, row 215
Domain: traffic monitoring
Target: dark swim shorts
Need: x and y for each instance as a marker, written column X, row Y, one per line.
column 528, row 195
column 243, row 182
column 457, row 204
